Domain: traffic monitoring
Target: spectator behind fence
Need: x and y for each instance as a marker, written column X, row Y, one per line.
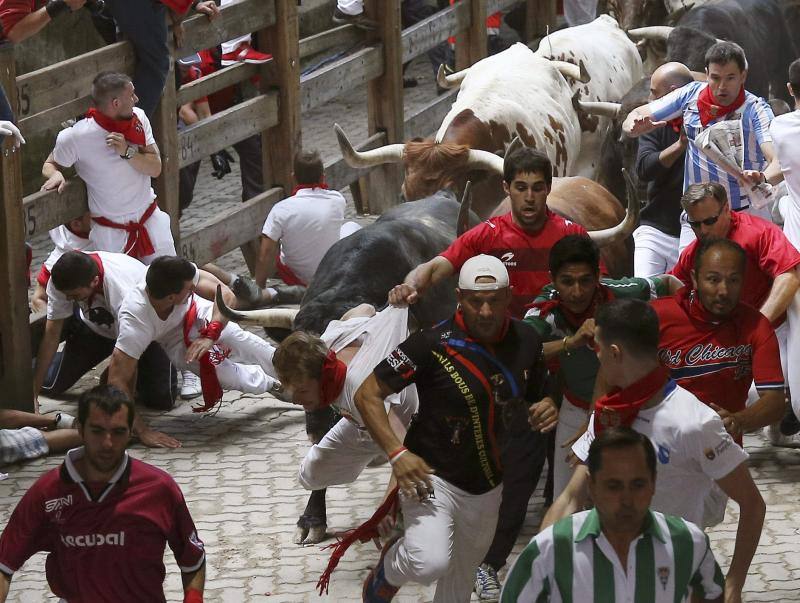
column 7, row 127
column 19, row 20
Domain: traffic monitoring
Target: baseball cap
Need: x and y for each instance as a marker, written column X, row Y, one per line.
column 482, row 265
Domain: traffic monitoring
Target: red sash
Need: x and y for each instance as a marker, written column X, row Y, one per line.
column 710, row 109
column 285, row 273
column 209, row 382
column 132, row 129
column 331, row 381
column 139, row 244
column 620, row 406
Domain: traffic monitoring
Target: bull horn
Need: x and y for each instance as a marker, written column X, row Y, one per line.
column 462, row 225
column 484, row 160
column 449, row 80
column 271, row 318
column 391, row 153
column 602, row 109
column 652, row 32
column 575, row 72
column 618, row 233
column 515, row 146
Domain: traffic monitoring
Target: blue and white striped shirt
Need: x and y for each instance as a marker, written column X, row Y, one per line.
column 756, row 116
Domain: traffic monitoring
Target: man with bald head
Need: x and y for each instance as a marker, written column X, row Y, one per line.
column 659, row 162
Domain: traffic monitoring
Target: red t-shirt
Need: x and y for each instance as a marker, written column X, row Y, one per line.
column 769, row 254
column 106, row 547
column 13, row 11
column 717, row 361
column 525, row 255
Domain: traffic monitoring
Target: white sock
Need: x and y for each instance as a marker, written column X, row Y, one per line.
column 273, row 293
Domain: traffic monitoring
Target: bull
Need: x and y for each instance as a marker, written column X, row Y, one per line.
column 758, row 26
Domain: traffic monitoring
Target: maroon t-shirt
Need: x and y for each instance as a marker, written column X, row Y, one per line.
column 105, row 541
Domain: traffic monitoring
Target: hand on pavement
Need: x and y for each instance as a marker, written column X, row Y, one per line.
column 156, row 439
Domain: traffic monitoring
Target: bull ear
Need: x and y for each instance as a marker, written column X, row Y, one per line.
column 462, row 225
column 676, row 15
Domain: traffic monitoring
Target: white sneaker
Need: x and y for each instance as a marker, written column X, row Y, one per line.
column 776, row 438
column 487, row 586
column 65, row 421
column 190, row 387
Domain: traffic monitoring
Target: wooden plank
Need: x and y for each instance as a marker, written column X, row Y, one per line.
column 344, row 35
column 339, row 174
column 230, row 229
column 425, row 122
column 48, row 119
column 209, row 84
column 422, row 36
column 494, row 6
column 165, row 131
column 15, row 355
column 44, row 210
column 222, row 129
column 236, row 19
column 340, row 77
column 71, row 79
column 544, row 16
column 471, row 45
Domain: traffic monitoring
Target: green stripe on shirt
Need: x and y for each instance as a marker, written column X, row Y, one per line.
column 521, row 573
column 562, row 552
column 603, row 574
column 682, row 554
column 645, row 569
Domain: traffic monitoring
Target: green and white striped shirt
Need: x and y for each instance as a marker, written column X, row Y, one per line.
column 572, row 561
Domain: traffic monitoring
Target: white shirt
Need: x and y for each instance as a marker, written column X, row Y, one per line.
column 139, row 325
column 785, row 131
column 121, row 273
column 692, row 448
column 307, row 225
column 64, row 240
column 114, row 187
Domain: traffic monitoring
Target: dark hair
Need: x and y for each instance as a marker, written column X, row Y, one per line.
column 794, row 77
column 72, row 270
column 107, row 84
column 167, row 275
column 307, row 167
column 695, row 193
column 527, row 161
column 107, row 398
column 725, row 52
column 614, row 438
column 631, row 323
column 574, row 249
column 711, row 243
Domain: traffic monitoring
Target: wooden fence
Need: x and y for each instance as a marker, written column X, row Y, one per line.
column 44, row 98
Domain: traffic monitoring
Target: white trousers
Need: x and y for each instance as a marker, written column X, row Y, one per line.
column 655, row 253
column 350, row 7
column 579, row 12
column 446, row 538
column 104, row 238
column 687, row 234
column 249, row 367
column 570, row 419
column 232, row 45
column 790, row 209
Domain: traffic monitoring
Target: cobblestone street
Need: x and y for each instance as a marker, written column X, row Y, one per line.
column 238, row 468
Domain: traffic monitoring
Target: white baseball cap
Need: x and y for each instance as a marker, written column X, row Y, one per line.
column 482, row 265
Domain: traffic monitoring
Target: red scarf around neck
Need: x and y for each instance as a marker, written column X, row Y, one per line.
column 710, row 109
column 300, row 187
column 132, row 129
column 100, row 274
column 209, row 382
column 459, row 320
column 602, row 295
column 620, row 406
column 331, row 380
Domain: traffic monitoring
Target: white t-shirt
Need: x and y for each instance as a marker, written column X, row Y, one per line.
column 139, row 325
column 114, row 187
column 121, row 273
column 785, row 131
column 693, row 450
column 64, row 240
column 307, row 225
column 378, row 336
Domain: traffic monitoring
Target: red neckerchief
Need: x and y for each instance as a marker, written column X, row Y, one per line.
column 620, row 406
column 132, row 129
column 209, row 382
column 676, row 124
column 602, row 295
column 302, row 186
column 331, row 380
column 459, row 319
column 100, row 274
column 710, row 109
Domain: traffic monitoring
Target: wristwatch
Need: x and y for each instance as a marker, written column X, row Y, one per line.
column 129, row 153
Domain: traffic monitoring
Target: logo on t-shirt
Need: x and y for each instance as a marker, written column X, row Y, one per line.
column 401, row 363
column 87, row 540
column 54, row 504
column 663, row 576
column 507, row 258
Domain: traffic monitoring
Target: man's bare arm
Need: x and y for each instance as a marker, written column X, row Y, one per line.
column 5, row 585
column 419, row 280
column 571, row 500
column 54, row 177
column 640, row 121
column 768, row 409
column 265, row 263
column 195, row 580
column 783, row 290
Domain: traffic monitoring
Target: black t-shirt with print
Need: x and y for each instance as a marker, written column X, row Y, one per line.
column 470, row 396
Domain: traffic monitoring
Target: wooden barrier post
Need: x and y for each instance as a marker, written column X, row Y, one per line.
column 471, row 45
column 385, row 102
column 539, row 15
column 165, row 130
column 16, row 379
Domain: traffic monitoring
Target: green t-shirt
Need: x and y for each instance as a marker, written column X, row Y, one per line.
column 578, row 369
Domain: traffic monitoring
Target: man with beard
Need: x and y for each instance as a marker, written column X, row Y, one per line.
column 104, row 518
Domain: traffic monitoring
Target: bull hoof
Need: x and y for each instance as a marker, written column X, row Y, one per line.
column 300, row 534
column 316, row 534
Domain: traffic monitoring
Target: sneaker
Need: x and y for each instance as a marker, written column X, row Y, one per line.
column 65, row 421
column 246, row 289
column 376, row 588
column 244, row 53
column 487, row 586
column 190, row 388
column 358, row 20
column 776, row 438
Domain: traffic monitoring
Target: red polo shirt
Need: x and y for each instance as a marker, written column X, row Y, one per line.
column 13, row 11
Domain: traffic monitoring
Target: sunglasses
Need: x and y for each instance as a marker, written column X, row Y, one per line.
column 707, row 222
